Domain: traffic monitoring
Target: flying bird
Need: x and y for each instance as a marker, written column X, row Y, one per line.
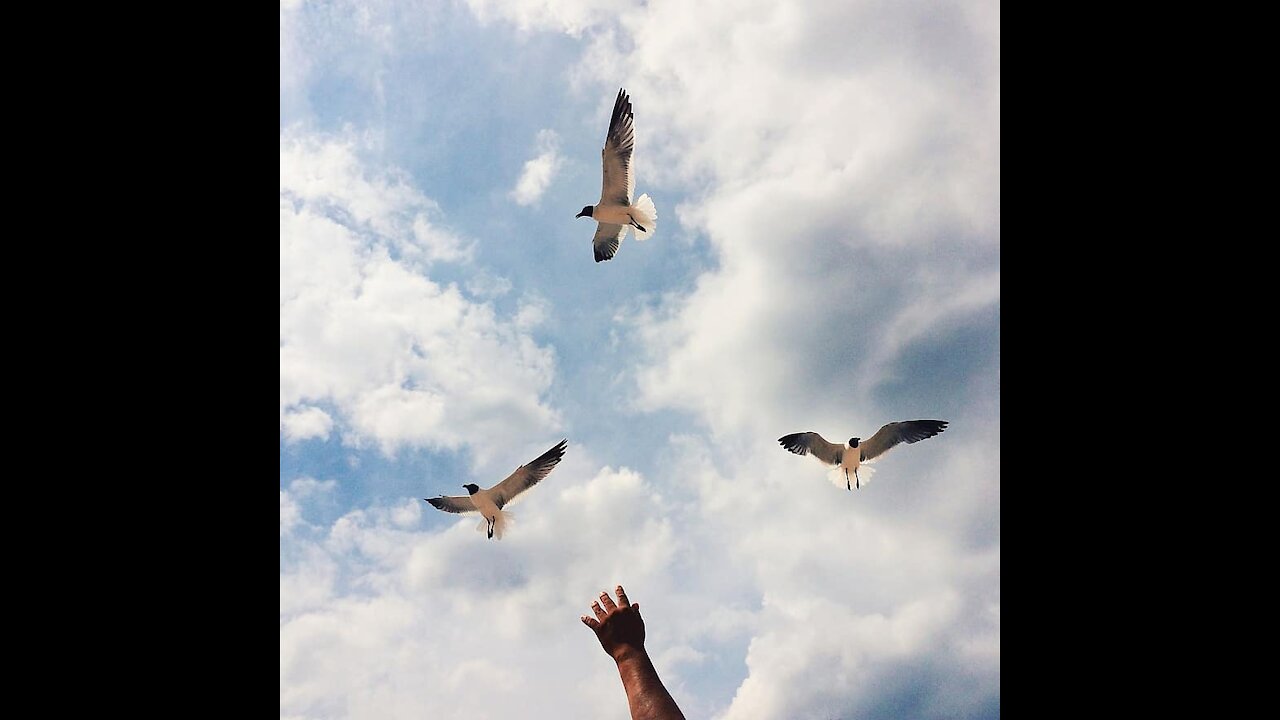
column 615, row 212
column 858, row 451
column 489, row 503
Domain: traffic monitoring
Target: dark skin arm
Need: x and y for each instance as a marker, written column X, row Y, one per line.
column 620, row 630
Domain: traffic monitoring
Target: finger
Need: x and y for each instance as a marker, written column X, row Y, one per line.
column 590, row 622
column 622, row 598
column 607, row 602
column 636, row 607
column 600, row 614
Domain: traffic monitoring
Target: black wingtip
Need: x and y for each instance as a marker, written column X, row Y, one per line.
column 621, row 109
column 917, row 430
column 791, row 443
column 554, row 454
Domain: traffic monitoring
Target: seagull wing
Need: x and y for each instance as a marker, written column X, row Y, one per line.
column 608, row 238
column 616, row 155
column 526, row 476
column 453, row 504
column 907, row 431
column 811, row 443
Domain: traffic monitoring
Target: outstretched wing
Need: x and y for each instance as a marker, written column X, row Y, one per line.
column 526, row 476
column 453, row 504
column 608, row 238
column 907, row 431
column 811, row 443
column 616, row 155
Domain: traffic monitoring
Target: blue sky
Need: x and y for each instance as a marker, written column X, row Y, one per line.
column 827, row 258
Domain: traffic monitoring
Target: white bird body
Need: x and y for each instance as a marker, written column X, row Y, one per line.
column 490, row 502
column 849, row 461
column 489, row 510
column 615, row 212
column 846, row 459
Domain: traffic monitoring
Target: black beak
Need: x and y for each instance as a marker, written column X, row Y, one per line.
column 578, row 215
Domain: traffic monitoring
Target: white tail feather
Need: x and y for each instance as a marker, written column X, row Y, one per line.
column 504, row 522
column 646, row 214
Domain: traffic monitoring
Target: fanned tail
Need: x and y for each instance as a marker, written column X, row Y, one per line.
column 504, row 522
column 646, row 214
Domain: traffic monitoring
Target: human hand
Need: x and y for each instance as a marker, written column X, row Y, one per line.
column 618, row 627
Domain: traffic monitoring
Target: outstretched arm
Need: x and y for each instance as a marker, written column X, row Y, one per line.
column 620, row 630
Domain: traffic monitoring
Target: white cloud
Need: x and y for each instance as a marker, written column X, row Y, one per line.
column 532, row 311
column 840, row 605
column 816, row 657
column 303, row 423
column 290, row 514
column 860, row 598
column 845, row 173
column 407, row 514
column 301, row 491
column 840, row 161
column 842, row 164
column 539, row 171
column 381, row 620
column 838, row 195
column 322, row 177
column 399, row 358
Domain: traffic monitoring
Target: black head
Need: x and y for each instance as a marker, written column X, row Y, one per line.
column 853, row 442
column 586, row 211
column 472, row 488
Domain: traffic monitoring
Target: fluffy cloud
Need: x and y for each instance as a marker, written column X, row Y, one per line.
column 845, row 175
column 850, row 196
column 864, row 598
column 840, row 164
column 395, row 357
column 303, row 423
column 539, row 171
column 379, row 619
column 839, row 605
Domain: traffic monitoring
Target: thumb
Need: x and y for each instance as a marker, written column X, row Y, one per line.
column 636, row 605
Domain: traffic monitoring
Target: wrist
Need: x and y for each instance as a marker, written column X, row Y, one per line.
column 629, row 653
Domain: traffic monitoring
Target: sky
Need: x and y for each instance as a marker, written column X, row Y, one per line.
column 827, row 258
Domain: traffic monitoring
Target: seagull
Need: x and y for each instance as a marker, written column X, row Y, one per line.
column 615, row 212
column 849, row 457
column 489, row 503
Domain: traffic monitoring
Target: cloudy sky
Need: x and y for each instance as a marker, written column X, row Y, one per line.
column 827, row 258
